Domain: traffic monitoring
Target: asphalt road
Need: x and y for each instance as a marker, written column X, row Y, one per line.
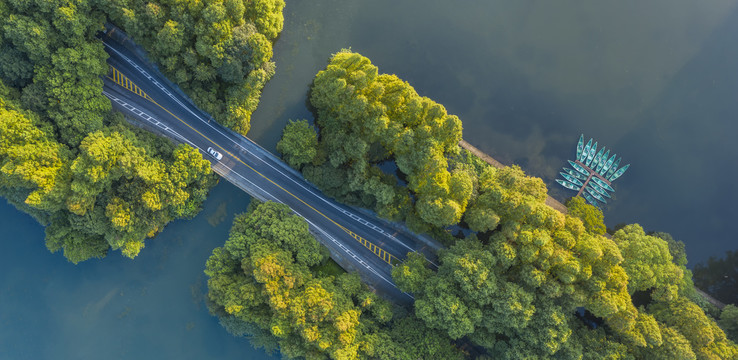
column 368, row 244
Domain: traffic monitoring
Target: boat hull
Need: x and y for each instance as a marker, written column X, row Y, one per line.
column 591, row 155
column 598, row 189
column 602, row 184
column 591, row 200
column 580, row 146
column 571, row 179
column 575, row 174
column 585, row 153
column 567, row 185
column 579, row 168
column 619, row 173
column 595, row 195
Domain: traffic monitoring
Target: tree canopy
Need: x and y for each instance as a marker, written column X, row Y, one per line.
column 97, row 183
column 263, row 284
column 219, row 51
column 591, row 216
column 366, row 118
column 516, row 284
column 111, row 193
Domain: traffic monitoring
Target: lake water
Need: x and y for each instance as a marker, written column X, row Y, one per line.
column 116, row 308
column 656, row 81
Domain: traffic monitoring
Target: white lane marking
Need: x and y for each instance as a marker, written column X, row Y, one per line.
column 147, row 117
column 340, row 245
column 345, row 212
column 161, row 87
column 327, row 235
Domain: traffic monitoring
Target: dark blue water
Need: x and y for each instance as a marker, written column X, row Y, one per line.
column 656, row 81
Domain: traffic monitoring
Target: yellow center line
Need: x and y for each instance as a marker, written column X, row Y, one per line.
column 381, row 253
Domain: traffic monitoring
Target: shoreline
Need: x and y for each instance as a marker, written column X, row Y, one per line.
column 555, row 204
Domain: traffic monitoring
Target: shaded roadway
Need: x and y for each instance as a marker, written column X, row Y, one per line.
column 358, row 241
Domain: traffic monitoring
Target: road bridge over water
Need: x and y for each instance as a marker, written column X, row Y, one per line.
column 357, row 241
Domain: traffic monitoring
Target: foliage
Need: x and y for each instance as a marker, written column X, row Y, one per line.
column 514, row 286
column 261, row 284
column 110, row 195
column 72, row 164
column 591, row 216
column 516, row 296
column 299, row 143
column 676, row 248
column 648, row 263
column 729, row 321
column 366, row 118
column 706, row 339
column 219, row 51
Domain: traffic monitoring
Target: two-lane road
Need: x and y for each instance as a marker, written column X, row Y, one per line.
column 371, row 246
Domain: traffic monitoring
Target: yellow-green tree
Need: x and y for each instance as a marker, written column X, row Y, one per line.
column 262, row 284
column 366, row 118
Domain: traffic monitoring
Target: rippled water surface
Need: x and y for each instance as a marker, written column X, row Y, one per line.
column 656, row 81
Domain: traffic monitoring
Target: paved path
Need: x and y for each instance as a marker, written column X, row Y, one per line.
column 490, row 160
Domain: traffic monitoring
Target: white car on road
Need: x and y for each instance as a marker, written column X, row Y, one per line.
column 215, row 154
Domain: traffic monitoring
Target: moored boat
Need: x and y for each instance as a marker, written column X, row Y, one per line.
column 619, row 173
column 595, row 195
column 602, row 184
column 585, row 153
column 599, row 190
column 575, row 174
column 603, row 161
column 612, row 169
column 591, row 200
column 608, row 165
column 571, row 179
column 567, row 185
column 591, row 155
column 580, row 146
column 579, row 168
column 597, row 158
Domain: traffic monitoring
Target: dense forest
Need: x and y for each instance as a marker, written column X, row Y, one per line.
column 528, row 282
column 366, row 118
column 219, row 52
column 78, row 168
column 274, row 283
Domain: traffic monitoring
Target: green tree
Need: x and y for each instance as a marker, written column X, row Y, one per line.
column 591, row 216
column 299, row 143
column 702, row 333
column 648, row 263
column 75, row 166
column 219, row 52
column 729, row 321
column 365, row 118
column 261, row 285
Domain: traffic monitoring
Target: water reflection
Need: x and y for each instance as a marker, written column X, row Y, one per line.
column 654, row 81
